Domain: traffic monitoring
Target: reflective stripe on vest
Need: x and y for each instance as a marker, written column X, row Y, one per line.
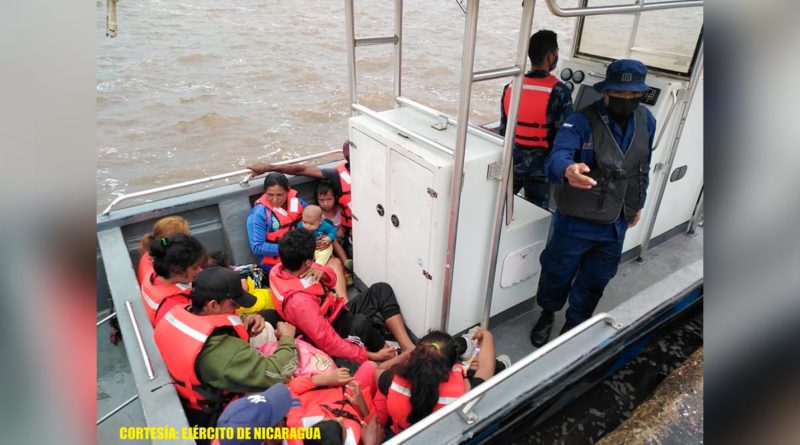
column 398, row 400
column 180, row 337
column 532, row 130
column 153, row 292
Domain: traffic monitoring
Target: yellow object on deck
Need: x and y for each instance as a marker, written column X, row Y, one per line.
column 263, row 298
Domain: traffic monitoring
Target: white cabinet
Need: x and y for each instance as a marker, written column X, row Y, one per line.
column 401, row 208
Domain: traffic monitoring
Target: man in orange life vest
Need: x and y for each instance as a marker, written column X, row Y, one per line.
column 543, row 107
column 354, row 329
column 207, row 351
column 339, row 179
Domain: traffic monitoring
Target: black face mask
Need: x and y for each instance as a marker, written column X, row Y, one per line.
column 621, row 109
column 554, row 64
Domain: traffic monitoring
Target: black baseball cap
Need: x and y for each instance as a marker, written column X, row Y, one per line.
column 220, row 283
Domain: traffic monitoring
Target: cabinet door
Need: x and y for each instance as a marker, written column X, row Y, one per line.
column 409, row 240
column 368, row 169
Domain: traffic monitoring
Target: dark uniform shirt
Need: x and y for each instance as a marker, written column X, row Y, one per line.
column 575, row 134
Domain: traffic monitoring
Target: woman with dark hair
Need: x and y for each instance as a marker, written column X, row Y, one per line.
column 431, row 376
column 169, row 225
column 274, row 213
column 176, row 261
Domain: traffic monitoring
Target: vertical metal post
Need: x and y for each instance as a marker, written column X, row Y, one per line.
column 697, row 71
column 351, row 51
column 505, row 192
column 398, row 50
column 634, row 29
column 464, row 95
column 698, row 210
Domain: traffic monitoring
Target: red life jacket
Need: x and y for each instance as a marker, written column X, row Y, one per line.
column 145, row 267
column 282, row 288
column 311, row 411
column 398, row 400
column 344, row 200
column 287, row 218
column 532, row 126
column 170, row 302
column 154, row 291
column 180, row 336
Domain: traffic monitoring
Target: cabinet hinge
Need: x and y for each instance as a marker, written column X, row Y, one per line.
column 433, row 193
column 427, row 275
column 495, row 171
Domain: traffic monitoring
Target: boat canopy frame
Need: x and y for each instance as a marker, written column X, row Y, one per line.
column 504, row 204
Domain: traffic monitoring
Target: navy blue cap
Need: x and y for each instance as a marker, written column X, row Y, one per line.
column 624, row 75
column 256, row 411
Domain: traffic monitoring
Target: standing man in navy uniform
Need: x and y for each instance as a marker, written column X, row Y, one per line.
column 544, row 105
column 601, row 163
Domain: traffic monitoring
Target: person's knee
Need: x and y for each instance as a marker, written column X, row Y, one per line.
column 334, row 263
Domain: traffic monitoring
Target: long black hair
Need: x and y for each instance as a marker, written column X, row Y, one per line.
column 174, row 254
column 427, row 368
column 276, row 178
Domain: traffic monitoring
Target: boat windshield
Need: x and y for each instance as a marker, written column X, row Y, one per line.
column 665, row 40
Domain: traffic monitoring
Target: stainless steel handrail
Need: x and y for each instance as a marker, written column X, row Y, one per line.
column 106, row 318
column 351, row 49
column 117, row 409
column 145, row 357
column 697, row 72
column 618, row 9
column 667, row 120
column 474, row 129
column 179, row 185
column 478, row 392
column 457, row 180
column 370, row 41
column 398, row 48
column 479, row 76
column 406, row 132
column 698, row 210
column 505, row 190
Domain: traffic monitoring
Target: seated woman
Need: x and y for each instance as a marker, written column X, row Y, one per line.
column 176, row 261
column 430, row 377
column 276, row 212
column 164, row 227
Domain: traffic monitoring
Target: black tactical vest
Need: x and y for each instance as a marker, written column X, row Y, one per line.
column 620, row 177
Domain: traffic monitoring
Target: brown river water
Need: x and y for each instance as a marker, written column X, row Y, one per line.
column 200, row 87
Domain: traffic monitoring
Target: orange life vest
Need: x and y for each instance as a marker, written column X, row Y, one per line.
column 282, row 289
column 398, row 400
column 344, row 201
column 287, row 218
column 315, row 407
column 145, row 267
column 532, row 126
column 154, row 291
column 180, row 336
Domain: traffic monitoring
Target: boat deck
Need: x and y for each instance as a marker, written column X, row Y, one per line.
column 512, row 334
column 115, row 383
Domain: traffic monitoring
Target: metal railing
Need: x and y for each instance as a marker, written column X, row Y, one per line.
column 467, row 402
column 184, row 184
column 405, row 131
column 117, row 409
column 618, row 9
column 697, row 72
column 145, row 357
column 106, row 318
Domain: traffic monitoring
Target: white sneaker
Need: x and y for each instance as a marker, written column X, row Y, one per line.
column 504, row 359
